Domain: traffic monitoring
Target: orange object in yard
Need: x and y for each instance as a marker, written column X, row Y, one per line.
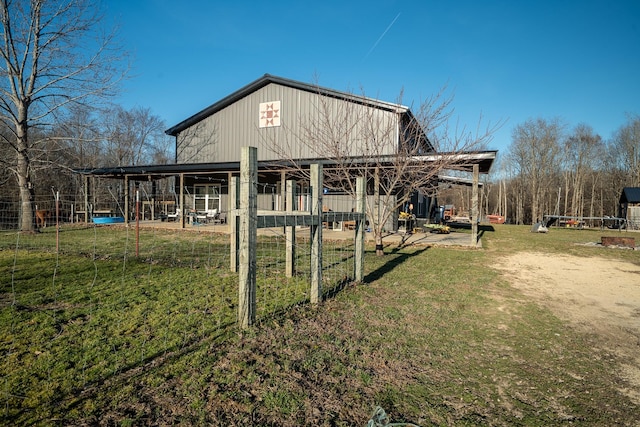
column 495, row 219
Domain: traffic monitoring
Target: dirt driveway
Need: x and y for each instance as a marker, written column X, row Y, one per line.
column 597, row 295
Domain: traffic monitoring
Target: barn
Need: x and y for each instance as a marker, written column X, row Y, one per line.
column 287, row 121
column 629, row 206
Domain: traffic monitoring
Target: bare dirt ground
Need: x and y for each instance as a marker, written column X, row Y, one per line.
column 599, row 296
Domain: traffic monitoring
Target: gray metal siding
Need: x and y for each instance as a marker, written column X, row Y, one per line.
column 219, row 137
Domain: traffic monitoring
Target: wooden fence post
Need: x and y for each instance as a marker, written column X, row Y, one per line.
column 248, row 236
column 234, row 205
column 316, row 233
column 290, row 231
column 360, row 229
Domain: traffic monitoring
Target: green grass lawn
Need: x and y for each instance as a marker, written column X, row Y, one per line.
column 94, row 335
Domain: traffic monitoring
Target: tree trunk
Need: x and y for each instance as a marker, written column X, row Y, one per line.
column 27, row 192
column 593, row 196
column 504, row 211
column 376, row 213
column 379, row 246
column 534, row 206
column 563, row 211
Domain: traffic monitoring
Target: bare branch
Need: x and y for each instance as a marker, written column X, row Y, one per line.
column 398, row 153
column 51, row 60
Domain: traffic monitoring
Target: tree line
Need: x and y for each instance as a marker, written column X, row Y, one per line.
column 85, row 138
column 550, row 169
column 59, row 70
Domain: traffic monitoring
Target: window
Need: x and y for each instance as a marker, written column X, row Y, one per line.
column 206, row 197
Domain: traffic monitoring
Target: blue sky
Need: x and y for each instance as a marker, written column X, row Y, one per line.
column 507, row 61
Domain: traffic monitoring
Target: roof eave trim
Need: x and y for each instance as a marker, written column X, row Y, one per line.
column 267, row 79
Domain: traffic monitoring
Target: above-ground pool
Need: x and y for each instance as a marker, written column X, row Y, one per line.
column 108, row 219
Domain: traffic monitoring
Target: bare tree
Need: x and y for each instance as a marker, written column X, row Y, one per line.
column 133, row 137
column 79, row 132
column 589, row 172
column 535, row 154
column 582, row 149
column 614, row 179
column 625, row 148
column 53, row 56
column 398, row 154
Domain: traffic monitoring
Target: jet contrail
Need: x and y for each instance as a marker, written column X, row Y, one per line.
column 383, row 34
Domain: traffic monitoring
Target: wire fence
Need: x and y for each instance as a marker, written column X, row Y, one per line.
column 82, row 303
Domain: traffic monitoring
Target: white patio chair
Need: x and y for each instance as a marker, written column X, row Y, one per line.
column 174, row 216
column 212, row 215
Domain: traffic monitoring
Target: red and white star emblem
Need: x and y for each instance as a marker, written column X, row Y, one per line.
column 269, row 114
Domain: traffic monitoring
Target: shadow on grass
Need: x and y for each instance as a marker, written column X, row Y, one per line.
column 467, row 226
column 393, row 259
column 100, row 388
column 339, row 287
column 155, row 361
column 482, row 228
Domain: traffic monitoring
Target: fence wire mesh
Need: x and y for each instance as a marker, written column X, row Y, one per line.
column 82, row 303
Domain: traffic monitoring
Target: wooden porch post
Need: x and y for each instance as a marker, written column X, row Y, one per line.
column 87, row 189
column 182, row 211
column 283, row 191
column 474, row 205
column 153, row 198
column 126, row 200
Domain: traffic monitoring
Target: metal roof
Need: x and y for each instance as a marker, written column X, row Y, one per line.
column 268, row 79
column 630, row 195
column 462, row 161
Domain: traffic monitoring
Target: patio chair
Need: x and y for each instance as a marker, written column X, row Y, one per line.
column 221, row 218
column 174, row 216
column 199, row 218
column 212, row 214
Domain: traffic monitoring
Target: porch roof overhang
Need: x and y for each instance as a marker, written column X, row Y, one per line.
column 456, row 161
column 158, row 171
column 457, row 181
column 462, row 161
